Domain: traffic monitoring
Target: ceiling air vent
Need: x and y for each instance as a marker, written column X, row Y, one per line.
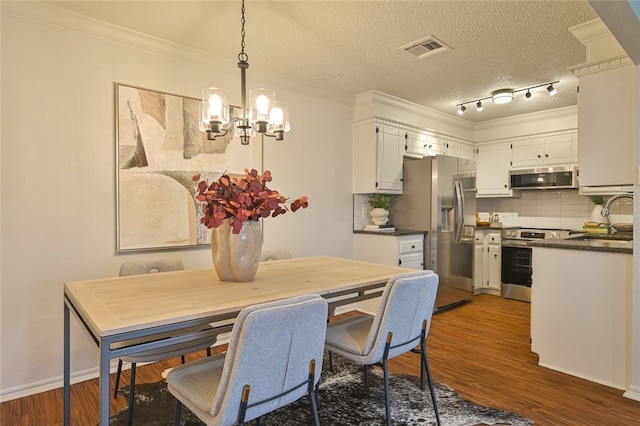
column 424, row 47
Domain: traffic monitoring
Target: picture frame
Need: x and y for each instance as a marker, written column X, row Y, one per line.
column 159, row 148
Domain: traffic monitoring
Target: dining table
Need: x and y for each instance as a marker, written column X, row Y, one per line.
column 116, row 310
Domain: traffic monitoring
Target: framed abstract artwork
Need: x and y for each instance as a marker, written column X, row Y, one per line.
column 159, row 148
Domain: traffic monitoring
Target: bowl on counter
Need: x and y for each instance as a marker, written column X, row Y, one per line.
column 623, row 227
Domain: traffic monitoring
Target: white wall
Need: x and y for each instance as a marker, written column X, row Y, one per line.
column 58, row 173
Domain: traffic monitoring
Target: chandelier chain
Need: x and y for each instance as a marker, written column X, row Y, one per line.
column 242, row 57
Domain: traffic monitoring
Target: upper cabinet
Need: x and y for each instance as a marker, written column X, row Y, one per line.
column 606, row 114
column 492, row 179
column 606, row 109
column 545, row 151
column 415, row 144
column 378, row 150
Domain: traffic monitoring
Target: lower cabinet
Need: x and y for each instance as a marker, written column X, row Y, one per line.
column 406, row 251
column 487, row 262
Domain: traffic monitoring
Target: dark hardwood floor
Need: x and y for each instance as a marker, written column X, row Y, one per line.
column 481, row 349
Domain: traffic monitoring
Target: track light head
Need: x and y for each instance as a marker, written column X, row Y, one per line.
column 461, row 110
column 479, row 106
column 528, row 94
column 552, row 90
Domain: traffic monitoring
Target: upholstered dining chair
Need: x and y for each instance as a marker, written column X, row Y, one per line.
column 269, row 254
column 400, row 325
column 193, row 344
column 274, row 358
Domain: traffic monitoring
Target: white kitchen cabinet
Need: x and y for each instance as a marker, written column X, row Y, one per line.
column 415, row 144
column 406, row 251
column 606, row 120
column 487, row 262
column 461, row 150
column 436, row 146
column 581, row 313
column 377, row 158
column 492, row 178
column 545, row 151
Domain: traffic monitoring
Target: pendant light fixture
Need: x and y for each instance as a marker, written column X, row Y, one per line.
column 504, row 96
column 264, row 114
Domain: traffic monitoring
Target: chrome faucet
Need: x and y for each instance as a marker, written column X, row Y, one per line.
column 607, row 206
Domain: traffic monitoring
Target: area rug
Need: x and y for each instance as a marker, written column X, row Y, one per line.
column 343, row 402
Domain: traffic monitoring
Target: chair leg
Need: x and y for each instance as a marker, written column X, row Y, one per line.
column 311, row 391
column 385, row 368
column 425, row 362
column 115, row 390
column 330, row 361
column 182, row 358
column 178, row 412
column 366, row 377
column 132, row 389
column 209, row 351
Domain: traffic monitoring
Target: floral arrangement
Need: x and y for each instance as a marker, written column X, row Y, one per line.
column 243, row 199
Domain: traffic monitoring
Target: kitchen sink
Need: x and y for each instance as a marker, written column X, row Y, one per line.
column 628, row 236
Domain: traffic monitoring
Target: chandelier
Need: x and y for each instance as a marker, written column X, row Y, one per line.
column 263, row 115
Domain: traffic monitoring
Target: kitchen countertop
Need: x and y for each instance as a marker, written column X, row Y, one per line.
column 397, row 232
column 610, row 244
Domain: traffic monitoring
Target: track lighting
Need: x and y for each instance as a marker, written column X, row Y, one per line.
column 504, row 96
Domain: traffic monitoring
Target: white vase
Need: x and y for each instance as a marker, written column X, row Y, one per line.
column 236, row 256
column 596, row 214
column 379, row 216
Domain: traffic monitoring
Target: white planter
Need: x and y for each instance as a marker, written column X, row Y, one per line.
column 596, row 214
column 379, row 216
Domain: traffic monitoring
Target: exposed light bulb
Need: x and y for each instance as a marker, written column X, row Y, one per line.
column 479, row 106
column 215, row 108
column 552, row 90
column 277, row 116
column 262, row 105
column 461, row 110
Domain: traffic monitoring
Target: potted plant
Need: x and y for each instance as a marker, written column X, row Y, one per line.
column 381, row 203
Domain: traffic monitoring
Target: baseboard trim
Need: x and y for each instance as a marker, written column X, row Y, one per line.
column 633, row 392
column 582, row 376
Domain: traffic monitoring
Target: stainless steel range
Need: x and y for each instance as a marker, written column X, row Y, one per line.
column 516, row 259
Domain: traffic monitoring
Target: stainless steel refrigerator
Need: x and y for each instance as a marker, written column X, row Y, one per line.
column 439, row 196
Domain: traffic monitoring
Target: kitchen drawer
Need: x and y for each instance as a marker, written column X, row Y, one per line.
column 494, row 238
column 412, row 260
column 410, row 245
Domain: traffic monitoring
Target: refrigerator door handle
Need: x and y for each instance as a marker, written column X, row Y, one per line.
column 459, row 212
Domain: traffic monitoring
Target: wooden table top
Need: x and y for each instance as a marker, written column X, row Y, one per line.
column 121, row 304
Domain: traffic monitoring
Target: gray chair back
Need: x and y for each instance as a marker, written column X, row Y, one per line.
column 270, row 349
column 407, row 301
column 148, row 266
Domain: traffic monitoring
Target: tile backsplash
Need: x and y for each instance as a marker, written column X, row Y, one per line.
column 564, row 209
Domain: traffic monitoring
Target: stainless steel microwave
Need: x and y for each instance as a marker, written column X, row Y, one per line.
column 557, row 177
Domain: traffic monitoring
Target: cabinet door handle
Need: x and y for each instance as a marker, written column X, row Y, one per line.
column 399, row 261
column 495, row 255
column 505, row 185
column 538, row 155
column 546, row 155
column 412, row 246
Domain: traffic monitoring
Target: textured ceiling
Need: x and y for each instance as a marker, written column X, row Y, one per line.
column 352, row 46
